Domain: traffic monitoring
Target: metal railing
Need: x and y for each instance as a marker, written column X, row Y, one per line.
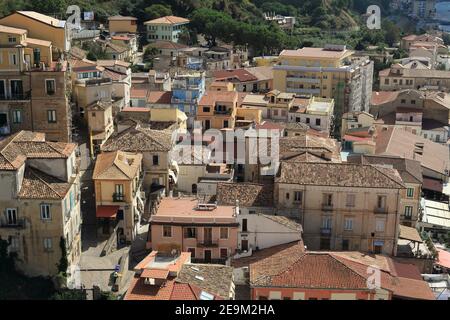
column 18, row 223
column 380, row 209
column 16, row 96
column 118, row 197
column 207, row 243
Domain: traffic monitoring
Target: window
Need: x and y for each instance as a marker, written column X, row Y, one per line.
column 223, row 233
column 50, row 86
column 345, row 244
column 379, row 225
column 155, row 160
column 328, row 199
column 317, row 122
column 119, row 189
column 14, row 243
column 326, row 222
column 403, row 101
column 48, row 244
column 225, row 123
column 348, row 224
column 45, row 212
column 11, row 216
column 17, row 116
column 381, row 202
column 298, row 196
column 413, row 101
column 386, row 81
column 350, row 201
column 51, row 116
column 410, row 192
column 167, row 231
column 13, row 59
column 308, row 120
column 12, row 39
column 287, row 195
column 190, row 233
column 244, row 225
column 206, row 109
column 223, row 253
column 408, row 211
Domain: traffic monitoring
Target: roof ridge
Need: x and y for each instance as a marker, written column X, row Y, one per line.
column 347, row 267
column 380, row 171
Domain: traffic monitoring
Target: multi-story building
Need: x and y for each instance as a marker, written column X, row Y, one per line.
column 342, row 206
column 187, row 90
column 424, row 9
column 217, row 109
column 39, row 202
column 43, row 27
column 155, row 146
column 256, row 79
column 121, row 24
column 119, row 204
column 165, row 28
column 208, row 231
column 330, row 72
column 120, row 74
column 32, row 87
column 397, row 77
column 293, row 274
column 317, row 113
column 411, row 173
column 100, row 124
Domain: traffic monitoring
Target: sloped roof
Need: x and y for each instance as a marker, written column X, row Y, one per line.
column 139, row 139
column 339, row 174
column 39, row 185
column 15, row 149
column 163, row 44
column 248, row 194
column 167, row 20
column 12, row 30
column 43, row 18
column 117, row 165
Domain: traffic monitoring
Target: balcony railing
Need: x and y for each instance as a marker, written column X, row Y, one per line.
column 380, row 210
column 327, row 206
column 325, row 231
column 223, row 112
column 18, row 223
column 118, row 197
column 16, row 96
column 207, row 243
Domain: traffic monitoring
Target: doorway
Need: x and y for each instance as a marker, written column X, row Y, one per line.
column 244, row 245
column 208, row 255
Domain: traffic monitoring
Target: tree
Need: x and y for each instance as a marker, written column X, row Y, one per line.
column 157, row 10
column 391, row 32
column 63, row 262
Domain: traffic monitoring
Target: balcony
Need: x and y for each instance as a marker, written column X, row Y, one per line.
column 383, row 210
column 304, row 80
column 118, row 197
column 16, row 96
column 325, row 231
column 309, row 91
column 223, row 112
column 327, row 206
column 18, row 224
column 207, row 243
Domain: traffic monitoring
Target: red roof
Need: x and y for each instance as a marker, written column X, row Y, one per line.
column 355, row 138
column 383, row 97
column 160, row 97
column 107, row 211
column 241, row 75
column 155, row 273
column 138, row 93
column 443, row 258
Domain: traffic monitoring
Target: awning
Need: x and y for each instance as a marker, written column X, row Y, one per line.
column 409, row 233
column 432, row 184
column 107, row 211
column 443, row 258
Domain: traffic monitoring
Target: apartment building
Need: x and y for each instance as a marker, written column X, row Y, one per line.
column 217, row 109
column 422, row 113
column 412, row 39
column 120, row 74
column 293, row 274
column 122, row 24
column 187, row 90
column 342, row 206
column 256, row 79
column 40, row 26
column 317, row 113
column 424, row 9
column 274, row 105
column 397, row 77
column 118, row 200
column 155, row 146
column 165, row 28
column 100, row 124
column 329, row 72
column 411, row 173
column 32, row 87
column 39, row 202
column 208, row 231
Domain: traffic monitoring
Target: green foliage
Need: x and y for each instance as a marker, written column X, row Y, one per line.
column 446, row 38
column 94, row 51
column 157, row 10
column 69, row 294
column 63, row 262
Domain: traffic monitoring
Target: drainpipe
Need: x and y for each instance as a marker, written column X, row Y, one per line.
column 394, row 249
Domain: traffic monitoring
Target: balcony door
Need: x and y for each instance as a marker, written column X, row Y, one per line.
column 16, row 88
column 2, row 89
column 207, row 235
column 11, row 216
column 208, row 255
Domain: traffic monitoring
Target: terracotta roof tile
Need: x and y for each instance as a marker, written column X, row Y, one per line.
column 248, row 194
column 167, row 20
column 117, row 165
column 39, row 185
